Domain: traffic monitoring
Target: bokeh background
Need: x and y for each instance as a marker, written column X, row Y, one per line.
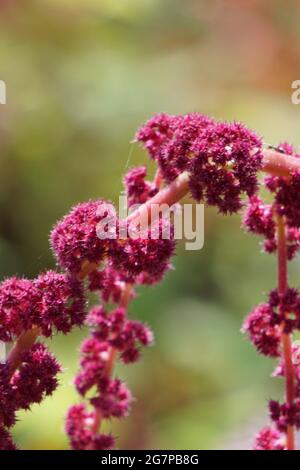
column 81, row 76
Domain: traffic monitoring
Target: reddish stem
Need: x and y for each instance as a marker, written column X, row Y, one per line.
column 286, row 338
column 22, row 344
column 279, row 164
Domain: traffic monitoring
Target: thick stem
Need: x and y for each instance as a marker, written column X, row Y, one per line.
column 279, row 164
column 286, row 338
column 22, row 344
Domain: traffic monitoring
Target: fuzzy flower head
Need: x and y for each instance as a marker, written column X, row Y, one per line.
column 111, row 332
column 79, row 424
column 138, row 190
column 268, row 439
column 126, row 336
column 6, row 442
column 8, row 403
column 285, row 309
column 61, row 303
column 36, row 377
column 75, row 240
column 284, row 415
column 172, row 151
column 114, row 399
column 226, row 160
column 258, row 218
column 18, row 303
column 265, row 336
column 156, row 132
column 287, row 190
column 145, row 257
column 109, row 282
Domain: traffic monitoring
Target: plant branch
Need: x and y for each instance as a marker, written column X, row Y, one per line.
column 286, row 338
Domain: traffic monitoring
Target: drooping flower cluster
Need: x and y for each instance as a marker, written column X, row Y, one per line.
column 74, row 239
column 222, row 161
column 53, row 301
column 270, row 325
column 34, row 379
column 138, row 189
column 262, row 331
column 79, row 423
column 112, row 334
column 259, row 218
column 222, row 158
column 145, row 256
column 269, row 439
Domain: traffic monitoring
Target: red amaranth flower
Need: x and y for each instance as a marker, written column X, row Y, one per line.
column 227, row 157
column 94, row 358
column 268, row 439
column 138, row 190
column 288, row 198
column 6, row 442
column 147, row 252
column 280, row 368
column 114, row 399
column 7, row 397
column 284, row 415
column 109, row 282
column 18, row 301
column 156, row 132
column 172, row 148
column 285, row 308
column 61, row 302
column 111, row 331
column 120, row 333
column 75, row 239
column 36, row 377
column 258, row 218
column 262, row 332
column 79, row 423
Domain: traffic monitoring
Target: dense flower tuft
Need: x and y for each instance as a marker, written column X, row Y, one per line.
column 171, row 145
column 18, row 303
column 284, row 415
column 79, row 428
column 285, row 308
column 114, row 399
column 7, row 397
column 6, row 442
column 145, row 253
column 74, row 239
column 262, row 332
column 156, row 132
column 36, row 377
column 258, row 218
column 268, row 439
column 61, row 302
column 226, row 160
column 138, row 190
column 109, row 282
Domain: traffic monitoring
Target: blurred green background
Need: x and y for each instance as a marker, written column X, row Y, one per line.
column 81, row 76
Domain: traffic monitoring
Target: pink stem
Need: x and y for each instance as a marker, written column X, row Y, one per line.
column 286, row 338
column 22, row 344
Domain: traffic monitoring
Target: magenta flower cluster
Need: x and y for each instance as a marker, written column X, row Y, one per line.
column 222, row 158
column 34, row 379
column 221, row 161
column 128, row 263
column 270, row 324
